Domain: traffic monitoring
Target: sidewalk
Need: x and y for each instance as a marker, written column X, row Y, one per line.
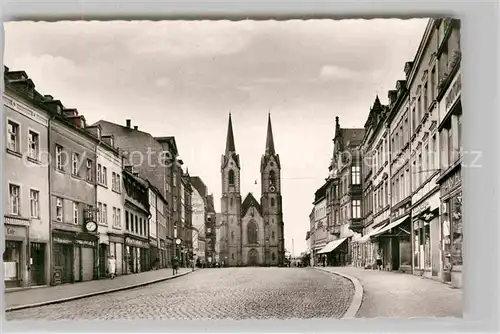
column 50, row 295
column 389, row 294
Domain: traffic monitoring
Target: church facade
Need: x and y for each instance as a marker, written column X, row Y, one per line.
column 251, row 231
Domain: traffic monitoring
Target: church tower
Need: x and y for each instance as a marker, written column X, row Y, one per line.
column 230, row 241
column 270, row 169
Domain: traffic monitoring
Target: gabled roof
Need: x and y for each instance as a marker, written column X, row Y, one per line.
column 248, row 203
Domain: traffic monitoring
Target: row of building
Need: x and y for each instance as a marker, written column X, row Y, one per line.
column 394, row 190
column 77, row 194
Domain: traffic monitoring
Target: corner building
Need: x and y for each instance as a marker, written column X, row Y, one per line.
column 251, row 232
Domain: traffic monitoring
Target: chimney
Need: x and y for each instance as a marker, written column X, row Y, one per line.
column 109, row 139
column 128, row 123
column 136, row 127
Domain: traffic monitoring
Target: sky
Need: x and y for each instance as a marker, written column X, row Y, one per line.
column 182, row 78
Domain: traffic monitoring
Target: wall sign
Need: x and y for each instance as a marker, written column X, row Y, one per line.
column 15, row 231
column 450, row 183
column 62, row 241
column 454, row 92
column 85, row 243
column 136, row 243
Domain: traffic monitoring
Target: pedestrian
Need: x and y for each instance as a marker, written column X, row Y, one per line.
column 175, row 265
column 112, row 266
column 379, row 260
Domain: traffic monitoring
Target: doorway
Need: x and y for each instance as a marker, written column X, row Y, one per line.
column 103, row 251
column 253, row 258
column 395, row 253
column 37, row 263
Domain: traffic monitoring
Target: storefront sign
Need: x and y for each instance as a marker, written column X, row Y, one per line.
column 453, row 92
column 85, row 243
column 450, row 183
column 15, row 231
column 136, row 243
column 61, row 241
column 430, row 204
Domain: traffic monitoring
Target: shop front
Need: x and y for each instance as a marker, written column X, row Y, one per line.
column 75, row 257
column 137, row 254
column 426, row 236
column 451, row 229
column 154, row 253
column 15, row 254
column 116, row 249
column 163, row 254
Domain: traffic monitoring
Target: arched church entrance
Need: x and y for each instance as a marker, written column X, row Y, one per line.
column 253, row 257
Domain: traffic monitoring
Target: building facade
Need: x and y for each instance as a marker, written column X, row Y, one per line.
column 26, row 185
column 448, row 60
column 251, row 232
column 110, row 211
column 137, row 245
column 211, row 228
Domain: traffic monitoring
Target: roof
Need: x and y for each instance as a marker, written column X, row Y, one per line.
column 248, row 203
column 269, row 137
column 320, row 193
column 230, row 147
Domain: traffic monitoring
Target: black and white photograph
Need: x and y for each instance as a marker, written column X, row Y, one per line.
column 233, row 169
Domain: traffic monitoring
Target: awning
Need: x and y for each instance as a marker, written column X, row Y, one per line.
column 331, row 246
column 391, row 225
column 367, row 237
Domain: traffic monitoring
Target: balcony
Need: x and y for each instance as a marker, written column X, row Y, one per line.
column 356, row 225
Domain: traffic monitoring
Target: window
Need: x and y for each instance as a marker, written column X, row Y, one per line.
column 403, row 186
column 252, row 233
column 15, row 199
column 413, row 119
column 127, row 226
column 13, row 136
column 459, row 133
column 74, row 164
column 89, row 170
column 232, row 236
column 175, row 181
column 59, row 209
column 140, row 226
column 104, row 176
column 376, row 201
column 272, row 201
column 231, row 177
column 426, row 162
column 426, row 104
column 434, row 153
column 99, row 168
column 75, row 213
column 273, row 256
column 356, row 174
column 433, row 83
column 450, row 147
column 114, row 217
column 419, row 111
column 99, row 212
column 231, row 201
column 118, row 183
column 386, row 195
column 232, row 256
column 136, row 224
column 105, row 214
column 59, row 158
column 272, row 177
column 35, row 203
column 34, row 142
column 113, row 181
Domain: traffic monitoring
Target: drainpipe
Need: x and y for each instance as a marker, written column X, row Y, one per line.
column 51, row 258
column 412, row 232
column 94, row 180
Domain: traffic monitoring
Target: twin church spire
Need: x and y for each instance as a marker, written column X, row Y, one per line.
column 231, row 148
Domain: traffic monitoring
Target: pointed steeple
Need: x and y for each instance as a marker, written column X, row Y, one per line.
column 337, row 127
column 377, row 106
column 269, row 139
column 230, row 137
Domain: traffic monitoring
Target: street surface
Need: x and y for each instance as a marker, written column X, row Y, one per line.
column 225, row 293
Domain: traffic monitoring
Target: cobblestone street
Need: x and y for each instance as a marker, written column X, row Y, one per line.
column 234, row 293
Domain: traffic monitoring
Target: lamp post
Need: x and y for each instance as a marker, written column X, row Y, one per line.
column 267, row 251
column 174, row 256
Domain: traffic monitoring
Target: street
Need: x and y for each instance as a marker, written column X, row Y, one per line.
column 226, row 293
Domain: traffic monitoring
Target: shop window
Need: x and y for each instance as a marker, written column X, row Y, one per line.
column 456, row 230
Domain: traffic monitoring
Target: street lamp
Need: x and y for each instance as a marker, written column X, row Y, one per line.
column 267, row 251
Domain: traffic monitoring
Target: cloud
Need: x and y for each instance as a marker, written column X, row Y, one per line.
column 331, row 72
column 162, row 82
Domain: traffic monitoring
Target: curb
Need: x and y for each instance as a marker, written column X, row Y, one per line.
column 96, row 293
column 357, row 298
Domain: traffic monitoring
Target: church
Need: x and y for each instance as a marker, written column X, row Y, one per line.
column 251, row 232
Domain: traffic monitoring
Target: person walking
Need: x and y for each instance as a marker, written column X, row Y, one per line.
column 175, row 265
column 379, row 260
column 112, row 266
